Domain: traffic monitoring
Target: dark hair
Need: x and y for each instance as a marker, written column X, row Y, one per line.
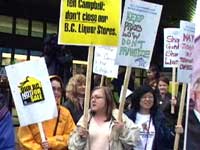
column 155, row 68
column 110, row 104
column 57, row 78
column 137, row 95
column 164, row 79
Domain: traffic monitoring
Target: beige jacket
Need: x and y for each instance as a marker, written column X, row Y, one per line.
column 125, row 140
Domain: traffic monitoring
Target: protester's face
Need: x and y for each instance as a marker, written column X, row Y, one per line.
column 151, row 74
column 57, row 90
column 147, row 101
column 163, row 87
column 81, row 89
column 98, row 101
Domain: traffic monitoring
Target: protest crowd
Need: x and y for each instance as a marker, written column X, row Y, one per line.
column 90, row 111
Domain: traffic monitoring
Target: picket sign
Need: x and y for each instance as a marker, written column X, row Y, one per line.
column 180, row 115
column 88, row 86
column 124, row 90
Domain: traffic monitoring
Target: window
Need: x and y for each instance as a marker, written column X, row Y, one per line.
column 51, row 28
column 6, row 24
column 22, row 26
column 35, row 55
column 37, row 29
column 6, row 56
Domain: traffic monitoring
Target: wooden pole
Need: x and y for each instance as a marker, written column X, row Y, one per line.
column 88, row 86
column 41, row 132
column 102, row 81
column 180, row 115
column 123, row 96
column 173, row 88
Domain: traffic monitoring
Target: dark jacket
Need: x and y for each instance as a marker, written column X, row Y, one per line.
column 164, row 136
column 193, row 132
column 7, row 138
column 164, row 104
column 75, row 112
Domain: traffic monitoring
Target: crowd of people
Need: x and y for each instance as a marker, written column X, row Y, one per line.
column 147, row 123
column 144, row 126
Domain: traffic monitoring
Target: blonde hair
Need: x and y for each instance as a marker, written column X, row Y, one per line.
column 71, row 88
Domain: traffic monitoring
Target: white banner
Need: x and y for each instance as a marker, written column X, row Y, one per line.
column 171, row 47
column 185, row 67
column 32, row 92
column 104, row 61
column 138, row 32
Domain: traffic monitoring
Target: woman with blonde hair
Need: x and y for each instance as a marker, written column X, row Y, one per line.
column 75, row 94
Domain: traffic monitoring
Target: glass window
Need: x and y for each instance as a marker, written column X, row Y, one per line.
column 37, row 29
column 6, row 56
column 22, row 26
column 35, row 55
column 51, row 28
column 6, row 24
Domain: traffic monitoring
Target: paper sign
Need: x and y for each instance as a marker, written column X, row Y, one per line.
column 32, row 92
column 104, row 61
column 187, row 30
column 89, row 22
column 128, row 93
column 138, row 32
column 171, row 47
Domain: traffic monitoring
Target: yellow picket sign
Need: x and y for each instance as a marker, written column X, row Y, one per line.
column 89, row 22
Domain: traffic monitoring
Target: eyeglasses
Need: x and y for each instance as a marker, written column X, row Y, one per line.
column 147, row 97
column 59, row 89
column 97, row 97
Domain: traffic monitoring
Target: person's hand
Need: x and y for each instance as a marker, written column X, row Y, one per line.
column 45, row 145
column 83, row 133
column 174, row 101
column 179, row 129
column 118, row 125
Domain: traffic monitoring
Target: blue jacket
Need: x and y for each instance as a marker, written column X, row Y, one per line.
column 164, row 136
column 7, row 138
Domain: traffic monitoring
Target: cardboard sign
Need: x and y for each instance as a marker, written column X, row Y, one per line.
column 138, row 32
column 171, row 47
column 187, row 30
column 32, row 92
column 89, row 22
column 104, row 61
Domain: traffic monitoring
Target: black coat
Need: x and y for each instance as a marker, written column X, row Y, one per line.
column 193, row 133
column 75, row 112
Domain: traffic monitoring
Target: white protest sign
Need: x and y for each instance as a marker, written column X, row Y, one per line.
column 171, row 47
column 128, row 93
column 104, row 61
column 187, row 31
column 32, row 92
column 138, row 32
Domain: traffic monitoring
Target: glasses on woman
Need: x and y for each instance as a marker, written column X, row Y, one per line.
column 59, row 89
column 147, row 97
